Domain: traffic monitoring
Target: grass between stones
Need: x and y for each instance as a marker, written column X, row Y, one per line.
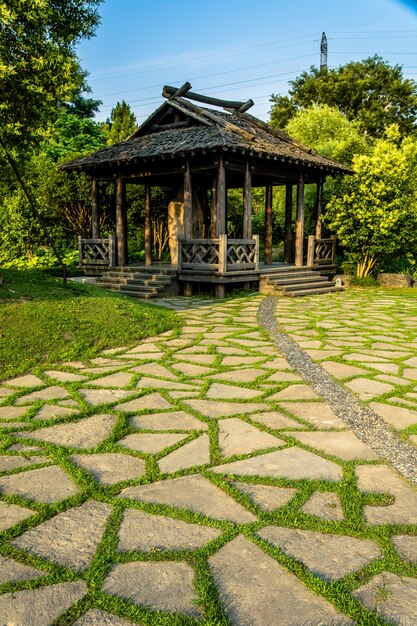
column 44, row 322
column 290, row 516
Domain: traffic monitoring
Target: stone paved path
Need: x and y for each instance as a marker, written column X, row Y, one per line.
column 196, row 479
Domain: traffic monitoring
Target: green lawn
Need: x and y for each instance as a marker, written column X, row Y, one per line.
column 44, row 322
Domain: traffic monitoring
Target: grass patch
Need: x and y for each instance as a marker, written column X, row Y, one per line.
column 44, row 322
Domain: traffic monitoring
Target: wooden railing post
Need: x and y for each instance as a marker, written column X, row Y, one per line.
column 256, row 257
column 112, row 250
column 310, row 251
column 179, row 253
column 333, row 249
column 222, row 253
column 80, row 250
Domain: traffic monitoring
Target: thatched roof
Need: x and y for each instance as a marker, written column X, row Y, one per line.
column 203, row 130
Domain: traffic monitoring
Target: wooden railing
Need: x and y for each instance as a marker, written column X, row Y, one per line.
column 321, row 251
column 97, row 252
column 218, row 255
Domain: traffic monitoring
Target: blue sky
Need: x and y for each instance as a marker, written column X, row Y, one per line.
column 236, row 49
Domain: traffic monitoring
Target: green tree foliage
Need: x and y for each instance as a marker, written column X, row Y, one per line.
column 372, row 92
column 38, row 65
column 327, row 131
column 374, row 213
column 120, row 124
column 72, row 136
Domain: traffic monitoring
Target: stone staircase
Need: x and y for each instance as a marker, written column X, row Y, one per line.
column 295, row 281
column 137, row 281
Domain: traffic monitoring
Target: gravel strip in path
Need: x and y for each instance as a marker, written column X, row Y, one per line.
column 368, row 426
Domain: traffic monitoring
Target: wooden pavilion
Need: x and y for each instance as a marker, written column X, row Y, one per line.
column 200, row 153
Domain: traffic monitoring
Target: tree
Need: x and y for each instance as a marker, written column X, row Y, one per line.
column 38, row 65
column 120, row 124
column 370, row 91
column 375, row 211
column 72, row 136
column 327, row 131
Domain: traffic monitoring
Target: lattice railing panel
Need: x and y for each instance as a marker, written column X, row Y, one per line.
column 218, row 255
column 321, row 251
column 206, row 254
column 241, row 255
column 97, row 251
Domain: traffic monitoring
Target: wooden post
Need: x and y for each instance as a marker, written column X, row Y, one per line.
column 112, row 250
column 121, row 233
column 299, row 222
column 288, row 224
column 319, row 208
column 213, row 209
column 148, row 228
column 310, row 250
column 220, row 200
column 80, row 251
column 268, row 224
column 223, row 253
column 247, row 203
column 95, row 220
column 188, row 203
column 256, row 260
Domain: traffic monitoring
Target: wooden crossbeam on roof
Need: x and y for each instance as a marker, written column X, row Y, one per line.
column 184, row 91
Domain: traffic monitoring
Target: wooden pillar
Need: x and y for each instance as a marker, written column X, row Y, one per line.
column 95, row 219
column 213, row 209
column 121, row 230
column 288, row 224
column 299, row 222
column 148, row 227
column 319, row 208
column 188, row 203
column 247, row 203
column 220, row 200
column 268, row 224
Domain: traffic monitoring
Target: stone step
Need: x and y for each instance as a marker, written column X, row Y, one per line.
column 301, row 286
column 311, row 291
column 139, row 294
column 288, row 282
column 130, row 280
column 138, row 289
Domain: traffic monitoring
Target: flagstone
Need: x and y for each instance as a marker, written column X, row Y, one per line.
column 12, row 412
column 275, row 420
column 25, row 381
column 183, row 394
column 141, row 531
column 154, row 369
column 230, row 392
column 330, row 557
column 231, row 350
column 322, row 353
column 413, row 439
column 363, row 358
column 46, row 484
column 191, row 369
column 75, row 364
column 149, row 402
column 176, row 420
column 395, row 380
column 391, row 354
column 344, row 445
column 5, row 393
column 95, row 397
column 254, row 589
column 23, row 447
column 396, row 416
column 196, row 452
column 411, row 362
column 151, row 443
column 109, row 468
column 48, row 393
column 317, row 413
column 194, row 493
column 141, row 356
column 120, row 379
column 52, row 411
column 84, row 433
column 277, row 364
column 41, row 606
column 240, row 376
column 203, row 359
column 239, row 437
column 156, row 383
column 12, row 514
column 198, row 349
column 283, row 377
column 295, row 392
column 113, row 350
column 65, row 377
column 12, row 571
column 144, row 347
column 392, row 597
column 382, row 479
column 104, row 361
column 325, row 505
column 241, row 360
column 70, row 538
column 95, row 617
column 341, row 370
column 267, row 497
column 406, row 546
column 9, row 462
column 410, row 372
column 164, row 586
column 293, row 463
column 101, row 370
column 14, row 425
column 215, row 409
column 368, row 388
